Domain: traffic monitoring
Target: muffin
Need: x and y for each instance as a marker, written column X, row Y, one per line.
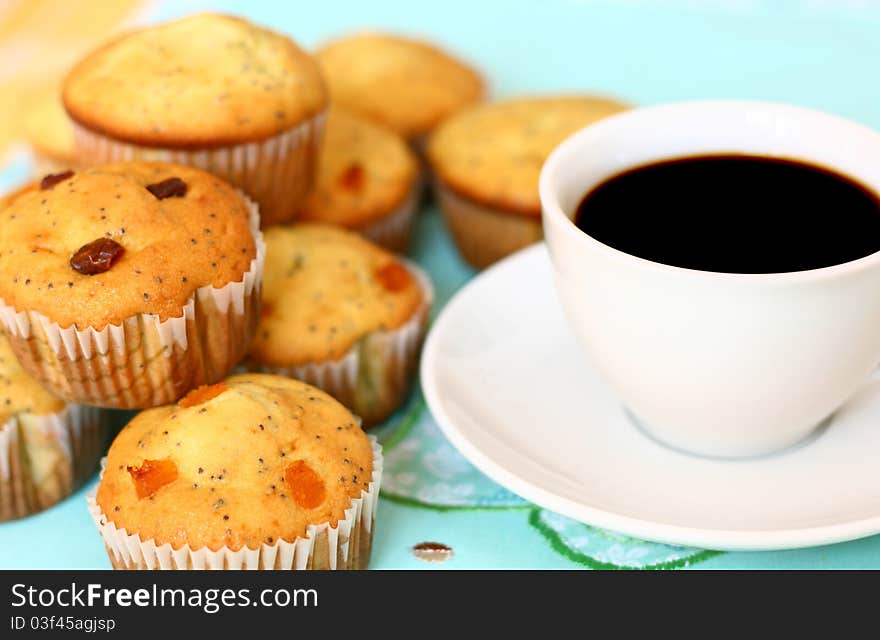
column 486, row 162
column 49, row 133
column 211, row 91
column 367, row 181
column 47, row 447
column 10, row 196
column 125, row 285
column 256, row 472
column 342, row 314
column 407, row 85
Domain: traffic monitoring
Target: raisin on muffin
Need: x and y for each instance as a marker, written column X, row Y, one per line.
column 408, row 85
column 342, row 314
column 213, row 91
column 125, row 285
column 486, row 162
column 368, row 181
column 257, row 471
column 47, row 447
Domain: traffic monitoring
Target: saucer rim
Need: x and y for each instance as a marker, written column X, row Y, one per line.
column 662, row 532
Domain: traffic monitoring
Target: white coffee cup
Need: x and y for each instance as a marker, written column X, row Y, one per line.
column 719, row 364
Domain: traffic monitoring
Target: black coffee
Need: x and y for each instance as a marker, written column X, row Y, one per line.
column 734, row 214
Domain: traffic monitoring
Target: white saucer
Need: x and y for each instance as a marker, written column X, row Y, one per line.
column 511, row 389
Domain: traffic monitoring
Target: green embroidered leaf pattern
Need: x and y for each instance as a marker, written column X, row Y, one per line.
column 601, row 549
column 422, row 467
column 423, row 470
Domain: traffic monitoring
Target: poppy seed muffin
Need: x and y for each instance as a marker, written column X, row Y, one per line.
column 209, row 90
column 405, row 84
column 368, row 181
column 342, row 314
column 245, row 464
column 126, row 284
column 46, row 446
column 19, row 392
column 486, row 162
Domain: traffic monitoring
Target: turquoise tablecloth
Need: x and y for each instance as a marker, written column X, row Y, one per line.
column 818, row 54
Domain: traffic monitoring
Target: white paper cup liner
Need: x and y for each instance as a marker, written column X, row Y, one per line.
column 345, row 546
column 394, row 230
column 277, row 172
column 142, row 361
column 482, row 234
column 43, row 458
column 373, row 378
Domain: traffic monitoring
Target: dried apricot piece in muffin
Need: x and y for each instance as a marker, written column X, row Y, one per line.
column 342, row 314
column 240, row 472
column 367, row 181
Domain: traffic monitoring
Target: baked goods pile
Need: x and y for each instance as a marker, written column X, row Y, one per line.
column 203, row 212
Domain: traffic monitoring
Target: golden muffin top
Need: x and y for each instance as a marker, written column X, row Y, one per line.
column 19, row 393
column 250, row 460
column 405, row 84
column 95, row 246
column 49, row 131
column 202, row 81
column 493, row 153
column 10, row 196
column 365, row 172
column 325, row 288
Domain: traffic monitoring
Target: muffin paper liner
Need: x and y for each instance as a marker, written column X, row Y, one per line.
column 43, row 458
column 144, row 362
column 374, row 377
column 483, row 234
column 394, row 230
column 345, row 546
column 277, row 172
